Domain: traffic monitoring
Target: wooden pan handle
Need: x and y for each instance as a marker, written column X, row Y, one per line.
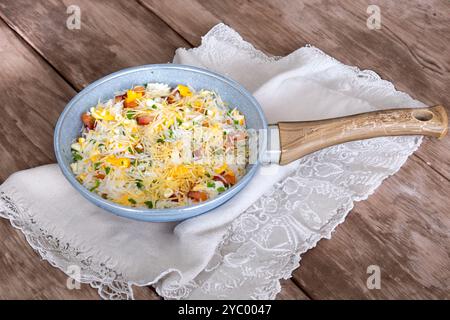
column 298, row 139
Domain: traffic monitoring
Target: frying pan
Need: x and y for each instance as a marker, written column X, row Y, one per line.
column 282, row 143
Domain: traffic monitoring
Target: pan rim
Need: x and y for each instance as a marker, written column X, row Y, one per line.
column 156, row 215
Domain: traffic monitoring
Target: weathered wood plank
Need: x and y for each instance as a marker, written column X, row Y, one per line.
column 34, row 96
column 404, row 228
column 33, row 130
column 290, row 291
column 25, row 276
column 113, row 35
column 74, row 46
column 264, row 30
column 145, row 293
column 421, row 29
column 410, row 52
column 197, row 22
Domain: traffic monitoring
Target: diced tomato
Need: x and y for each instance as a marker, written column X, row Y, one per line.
column 88, row 121
column 144, row 120
column 100, row 175
column 130, row 104
column 198, row 195
column 230, row 178
column 227, row 179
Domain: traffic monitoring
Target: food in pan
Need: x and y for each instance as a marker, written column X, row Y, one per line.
column 160, row 147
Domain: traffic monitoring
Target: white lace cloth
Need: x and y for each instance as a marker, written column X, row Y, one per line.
column 242, row 249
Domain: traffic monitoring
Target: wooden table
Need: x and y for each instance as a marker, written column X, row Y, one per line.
column 404, row 227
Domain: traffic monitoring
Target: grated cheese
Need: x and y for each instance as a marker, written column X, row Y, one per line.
column 163, row 150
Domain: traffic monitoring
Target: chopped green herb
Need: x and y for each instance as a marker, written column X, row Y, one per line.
column 97, row 184
column 179, row 121
column 221, row 189
column 208, row 175
column 160, row 140
column 149, row 204
column 76, row 156
column 132, row 201
column 130, row 150
column 139, row 184
column 97, row 165
column 130, row 114
column 236, row 122
column 211, row 185
column 154, row 106
column 107, row 170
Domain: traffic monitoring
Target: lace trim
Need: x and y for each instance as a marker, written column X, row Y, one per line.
column 265, row 243
column 98, row 274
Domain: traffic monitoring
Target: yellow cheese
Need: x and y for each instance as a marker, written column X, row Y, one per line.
column 184, row 91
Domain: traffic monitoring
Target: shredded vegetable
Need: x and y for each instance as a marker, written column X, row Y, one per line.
column 159, row 147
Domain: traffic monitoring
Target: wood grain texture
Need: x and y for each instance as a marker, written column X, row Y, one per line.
column 290, row 291
column 113, row 35
column 299, row 138
column 410, row 49
column 25, row 276
column 34, row 96
column 197, row 21
column 74, row 57
column 404, row 228
column 26, row 131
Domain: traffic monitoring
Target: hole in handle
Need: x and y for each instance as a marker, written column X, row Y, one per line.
column 423, row 115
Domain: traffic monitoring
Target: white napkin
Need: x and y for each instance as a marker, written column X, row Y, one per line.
column 243, row 248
